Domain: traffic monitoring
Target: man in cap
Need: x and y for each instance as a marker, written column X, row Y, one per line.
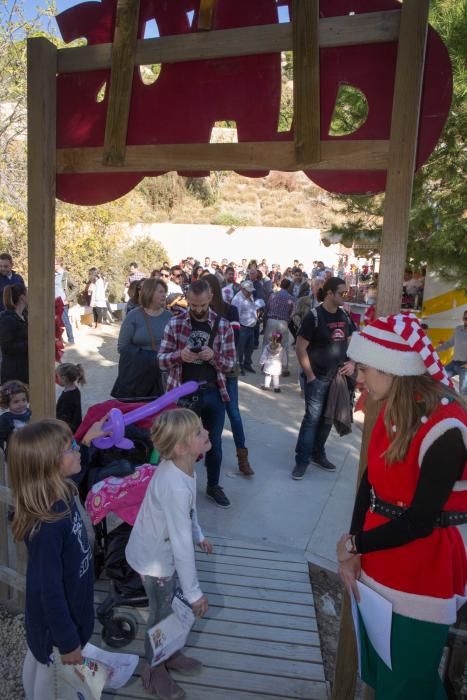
column 246, row 306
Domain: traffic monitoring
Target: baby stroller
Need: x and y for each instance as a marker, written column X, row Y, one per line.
column 126, row 589
column 121, row 496
column 115, row 481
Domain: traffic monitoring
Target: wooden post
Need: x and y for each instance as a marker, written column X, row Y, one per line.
column 121, row 80
column 206, row 14
column 345, row 676
column 305, row 20
column 402, row 152
column 42, row 60
column 401, row 166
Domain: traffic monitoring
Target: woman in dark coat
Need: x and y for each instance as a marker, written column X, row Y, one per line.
column 14, row 334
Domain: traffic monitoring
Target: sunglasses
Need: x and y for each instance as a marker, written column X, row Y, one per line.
column 162, row 275
column 74, row 448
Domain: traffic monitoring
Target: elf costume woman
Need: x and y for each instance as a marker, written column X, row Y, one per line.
column 403, row 540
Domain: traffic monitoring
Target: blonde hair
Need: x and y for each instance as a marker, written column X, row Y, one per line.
column 148, row 288
column 172, row 428
column 34, row 460
column 408, row 400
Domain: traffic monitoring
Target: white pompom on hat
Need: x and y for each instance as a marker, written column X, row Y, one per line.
column 397, row 345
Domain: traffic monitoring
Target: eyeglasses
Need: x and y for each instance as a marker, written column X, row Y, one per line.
column 74, row 448
column 177, row 276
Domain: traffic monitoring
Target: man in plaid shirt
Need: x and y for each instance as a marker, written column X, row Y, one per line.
column 199, row 346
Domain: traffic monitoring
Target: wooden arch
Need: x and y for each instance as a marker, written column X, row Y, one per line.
column 304, row 35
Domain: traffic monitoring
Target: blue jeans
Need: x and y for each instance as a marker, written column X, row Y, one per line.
column 211, row 410
column 313, row 431
column 246, row 345
column 455, row 368
column 67, row 324
column 233, row 411
column 160, row 592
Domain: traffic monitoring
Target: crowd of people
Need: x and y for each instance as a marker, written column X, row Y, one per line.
column 203, row 323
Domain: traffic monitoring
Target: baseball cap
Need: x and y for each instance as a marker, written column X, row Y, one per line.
column 249, row 286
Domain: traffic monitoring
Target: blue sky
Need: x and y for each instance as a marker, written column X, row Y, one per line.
column 31, row 7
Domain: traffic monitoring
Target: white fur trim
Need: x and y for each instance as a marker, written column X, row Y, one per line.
column 426, row 608
column 398, row 362
column 436, row 431
column 460, row 486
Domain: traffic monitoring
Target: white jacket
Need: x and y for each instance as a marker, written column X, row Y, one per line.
column 166, row 527
column 272, row 363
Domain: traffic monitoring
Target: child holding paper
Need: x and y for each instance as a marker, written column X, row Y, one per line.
column 403, row 541
column 161, row 541
column 59, row 613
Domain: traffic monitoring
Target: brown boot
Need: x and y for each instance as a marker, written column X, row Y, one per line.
column 183, row 664
column 157, row 680
column 243, row 463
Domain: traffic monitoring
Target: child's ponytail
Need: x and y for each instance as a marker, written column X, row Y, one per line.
column 72, row 373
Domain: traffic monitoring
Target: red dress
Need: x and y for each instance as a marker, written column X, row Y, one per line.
column 426, row 578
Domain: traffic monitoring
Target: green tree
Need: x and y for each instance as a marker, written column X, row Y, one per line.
column 438, row 221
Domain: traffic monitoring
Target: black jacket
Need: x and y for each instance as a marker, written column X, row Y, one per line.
column 14, row 347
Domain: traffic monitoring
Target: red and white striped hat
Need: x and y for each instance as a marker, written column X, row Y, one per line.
column 397, row 345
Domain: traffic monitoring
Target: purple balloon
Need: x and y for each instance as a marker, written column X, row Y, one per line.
column 117, row 421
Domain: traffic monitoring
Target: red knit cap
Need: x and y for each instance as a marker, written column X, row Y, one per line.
column 397, row 345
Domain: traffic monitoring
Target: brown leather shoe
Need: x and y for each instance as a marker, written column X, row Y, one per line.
column 157, row 680
column 183, row 664
column 243, row 463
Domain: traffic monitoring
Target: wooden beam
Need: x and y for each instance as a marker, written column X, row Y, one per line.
column 369, row 28
column 12, row 578
column 401, row 166
column 270, row 155
column 41, row 96
column 345, row 675
column 306, row 81
column 6, row 495
column 206, row 14
column 121, row 80
column 402, row 153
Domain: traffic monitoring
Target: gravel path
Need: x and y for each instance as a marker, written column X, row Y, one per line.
column 12, row 651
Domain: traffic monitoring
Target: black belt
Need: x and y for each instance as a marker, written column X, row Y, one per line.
column 447, row 518
column 204, row 386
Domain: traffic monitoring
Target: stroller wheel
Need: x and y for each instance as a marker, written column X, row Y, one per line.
column 119, row 631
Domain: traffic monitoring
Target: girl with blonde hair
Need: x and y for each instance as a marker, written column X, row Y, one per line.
column 59, row 614
column 403, row 541
column 161, row 541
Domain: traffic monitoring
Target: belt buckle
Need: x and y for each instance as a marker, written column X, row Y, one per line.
column 372, row 501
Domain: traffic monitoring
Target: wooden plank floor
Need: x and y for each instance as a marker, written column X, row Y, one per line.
column 259, row 639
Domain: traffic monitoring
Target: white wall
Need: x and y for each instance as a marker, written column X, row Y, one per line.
column 277, row 245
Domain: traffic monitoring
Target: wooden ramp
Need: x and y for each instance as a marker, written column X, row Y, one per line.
column 259, row 639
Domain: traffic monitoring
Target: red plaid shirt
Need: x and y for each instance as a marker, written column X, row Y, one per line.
column 176, row 335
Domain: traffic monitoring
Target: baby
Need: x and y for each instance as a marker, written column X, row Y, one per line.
column 271, row 361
